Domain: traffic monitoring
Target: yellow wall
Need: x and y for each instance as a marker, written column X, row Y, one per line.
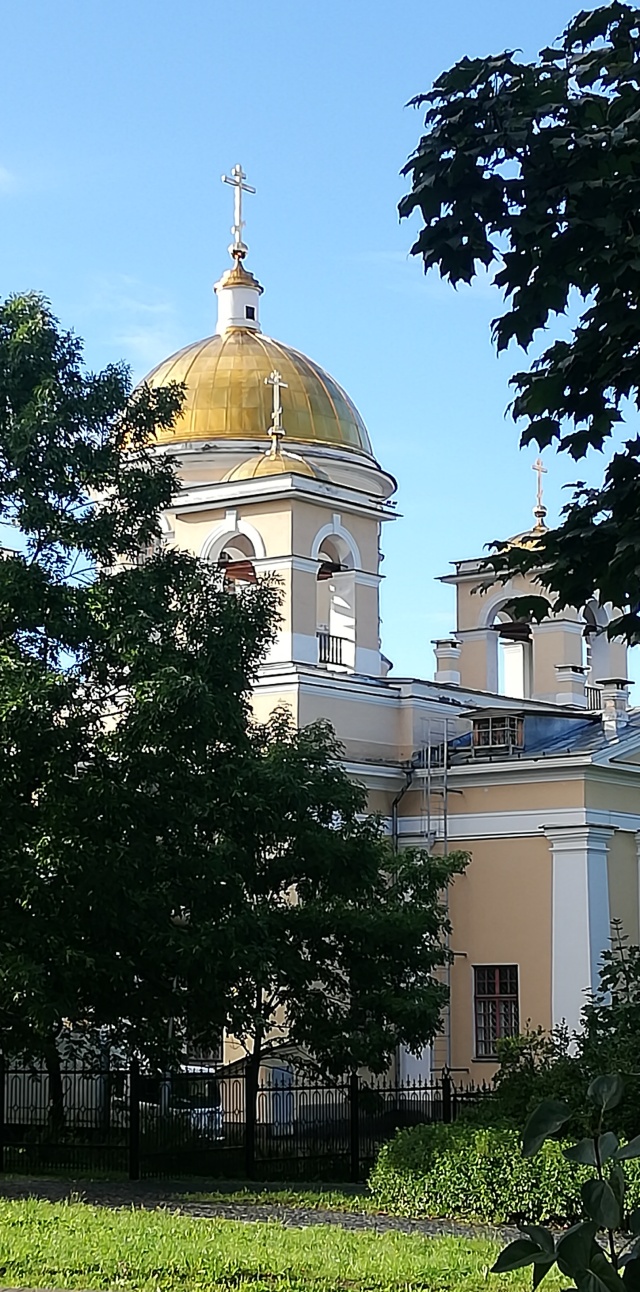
column 501, row 914
column 624, row 899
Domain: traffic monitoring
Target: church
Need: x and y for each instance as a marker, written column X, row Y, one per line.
column 521, row 749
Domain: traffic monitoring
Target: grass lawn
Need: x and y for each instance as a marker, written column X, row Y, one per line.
column 321, row 1198
column 71, row 1245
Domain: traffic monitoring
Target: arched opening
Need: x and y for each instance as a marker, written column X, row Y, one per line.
column 596, row 651
column 515, row 655
column 236, row 558
column 336, row 604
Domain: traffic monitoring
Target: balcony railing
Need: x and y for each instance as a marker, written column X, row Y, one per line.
column 594, row 698
column 330, row 649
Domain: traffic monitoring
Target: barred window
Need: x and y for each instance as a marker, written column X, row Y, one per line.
column 495, row 1000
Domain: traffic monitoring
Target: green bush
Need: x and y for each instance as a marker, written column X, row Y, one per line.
column 478, row 1173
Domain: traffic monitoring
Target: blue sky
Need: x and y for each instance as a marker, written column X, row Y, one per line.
column 118, row 121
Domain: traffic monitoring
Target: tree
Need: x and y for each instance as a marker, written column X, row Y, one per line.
column 533, row 170
column 342, row 935
column 170, row 867
column 124, row 709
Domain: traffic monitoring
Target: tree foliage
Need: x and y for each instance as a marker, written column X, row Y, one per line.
column 343, row 935
column 124, row 706
column 578, row 1252
column 532, row 171
column 560, row 1065
column 170, row 867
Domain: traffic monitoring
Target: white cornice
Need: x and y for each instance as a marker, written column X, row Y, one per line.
column 527, row 824
column 224, row 493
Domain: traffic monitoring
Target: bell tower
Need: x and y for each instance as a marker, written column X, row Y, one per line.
column 278, row 476
column 565, row 659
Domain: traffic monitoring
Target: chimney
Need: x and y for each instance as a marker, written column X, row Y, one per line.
column 447, row 651
column 570, row 680
column 615, row 705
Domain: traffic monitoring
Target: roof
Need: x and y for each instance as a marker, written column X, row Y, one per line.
column 227, row 399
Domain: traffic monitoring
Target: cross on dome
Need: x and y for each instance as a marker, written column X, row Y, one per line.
column 238, row 248
column 276, row 430
column 539, row 510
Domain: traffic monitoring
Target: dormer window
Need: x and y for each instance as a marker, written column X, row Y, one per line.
column 499, row 733
column 250, row 312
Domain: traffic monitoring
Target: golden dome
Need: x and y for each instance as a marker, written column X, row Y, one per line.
column 271, row 464
column 227, row 398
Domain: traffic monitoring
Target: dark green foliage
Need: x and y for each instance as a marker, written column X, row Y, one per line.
column 536, row 1066
column 345, row 971
column 124, row 709
column 478, row 1173
column 532, row 170
column 605, row 1198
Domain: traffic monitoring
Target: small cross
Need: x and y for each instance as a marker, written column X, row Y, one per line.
column 276, row 430
column 539, row 510
column 236, row 179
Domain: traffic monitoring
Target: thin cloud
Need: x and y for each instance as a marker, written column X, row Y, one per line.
column 137, row 322
column 8, row 181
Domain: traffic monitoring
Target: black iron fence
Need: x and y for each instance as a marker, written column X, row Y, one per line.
column 123, row 1121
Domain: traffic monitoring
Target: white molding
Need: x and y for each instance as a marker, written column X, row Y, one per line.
column 335, row 526
column 527, row 824
column 559, row 624
column 366, row 580
column 226, row 529
column 303, row 564
column 367, row 661
column 217, row 493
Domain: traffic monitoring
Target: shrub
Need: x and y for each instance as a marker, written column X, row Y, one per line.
column 478, row 1173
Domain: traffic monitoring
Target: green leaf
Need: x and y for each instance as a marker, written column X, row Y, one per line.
column 618, row 1183
column 601, row 1203
column 541, row 1269
column 542, row 1236
column 585, row 1150
column 631, row 1276
column 632, row 1149
column 575, row 1248
column 602, row 1269
column 519, row 1253
column 545, row 1120
column 634, row 1221
column 606, row 1091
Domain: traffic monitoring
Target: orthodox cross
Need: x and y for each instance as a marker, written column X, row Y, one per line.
column 276, row 430
column 539, row 510
column 236, row 180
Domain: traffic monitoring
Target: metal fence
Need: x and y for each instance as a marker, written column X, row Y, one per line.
column 123, row 1121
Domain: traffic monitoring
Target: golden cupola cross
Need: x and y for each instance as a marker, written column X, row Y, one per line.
column 276, row 430
column 236, row 179
column 539, row 510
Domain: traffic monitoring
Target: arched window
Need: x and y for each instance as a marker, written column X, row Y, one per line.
column 236, row 558
column 515, row 655
column 335, row 604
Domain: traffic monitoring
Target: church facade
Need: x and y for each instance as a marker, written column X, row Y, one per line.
column 522, row 749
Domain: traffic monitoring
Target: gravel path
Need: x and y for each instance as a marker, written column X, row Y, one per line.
column 167, row 1197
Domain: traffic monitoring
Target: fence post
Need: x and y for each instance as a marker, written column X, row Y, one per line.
column 249, row 1122
column 2, row 1110
column 446, row 1097
column 354, row 1127
column 134, row 1119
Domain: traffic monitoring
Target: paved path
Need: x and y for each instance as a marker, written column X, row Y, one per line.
column 167, row 1197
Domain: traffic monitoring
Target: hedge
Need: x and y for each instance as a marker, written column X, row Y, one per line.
column 478, row 1173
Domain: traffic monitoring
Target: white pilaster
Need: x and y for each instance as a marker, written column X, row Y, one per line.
column 580, row 918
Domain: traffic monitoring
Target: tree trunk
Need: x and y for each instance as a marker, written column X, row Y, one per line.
column 56, row 1090
column 252, row 1077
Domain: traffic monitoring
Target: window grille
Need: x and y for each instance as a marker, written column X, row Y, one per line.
column 496, row 1007
column 501, row 731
